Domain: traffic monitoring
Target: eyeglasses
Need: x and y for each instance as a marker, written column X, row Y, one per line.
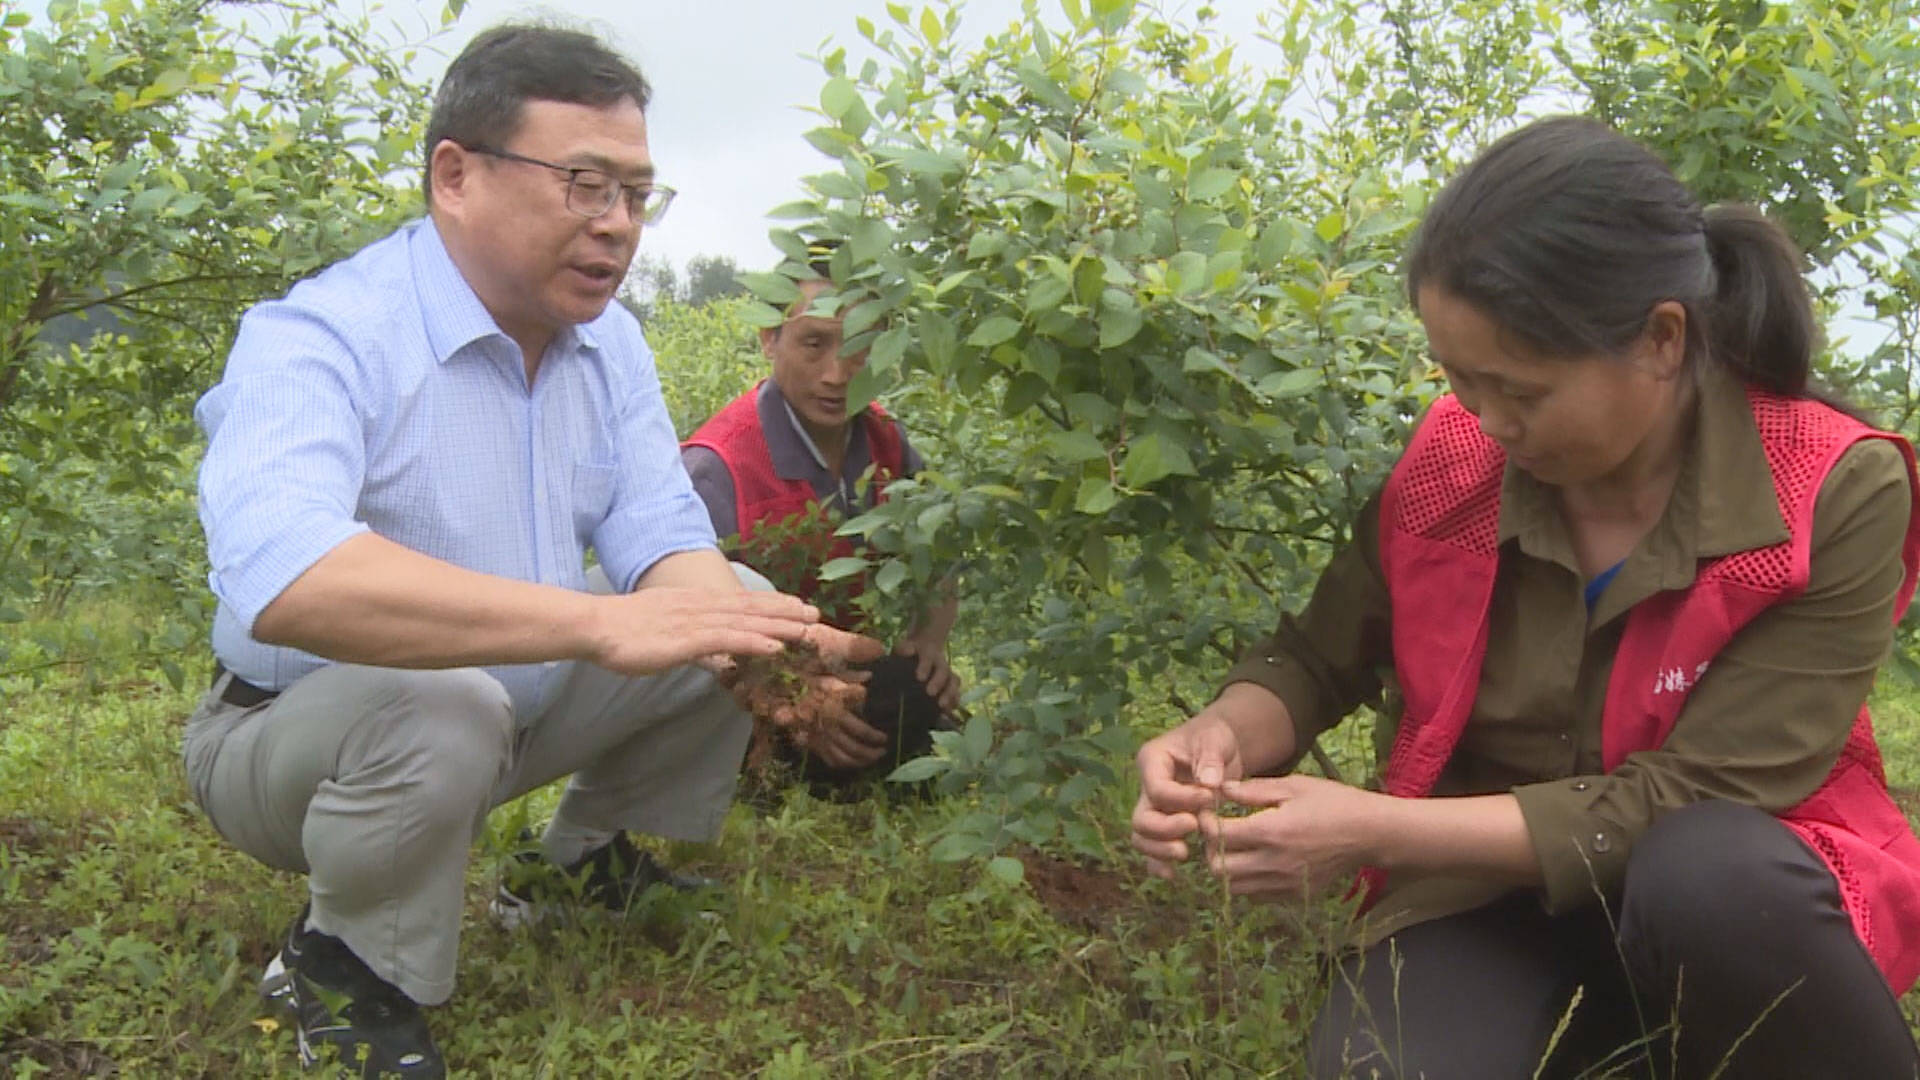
column 591, row 192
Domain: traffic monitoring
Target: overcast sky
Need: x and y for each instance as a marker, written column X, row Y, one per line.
column 731, row 79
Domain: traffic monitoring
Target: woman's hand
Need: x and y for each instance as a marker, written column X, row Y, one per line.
column 1180, row 777
column 1305, row 835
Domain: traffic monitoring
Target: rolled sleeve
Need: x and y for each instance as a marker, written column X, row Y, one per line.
column 1768, row 719
column 1306, row 692
column 655, row 511
column 285, row 457
column 714, row 484
column 1581, row 841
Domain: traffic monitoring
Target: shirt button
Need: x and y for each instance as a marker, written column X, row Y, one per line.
column 1273, row 659
column 1580, row 785
column 1602, row 843
column 1564, row 738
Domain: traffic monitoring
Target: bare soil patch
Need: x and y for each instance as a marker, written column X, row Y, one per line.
column 1089, row 898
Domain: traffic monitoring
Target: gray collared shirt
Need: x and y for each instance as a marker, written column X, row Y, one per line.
column 795, row 457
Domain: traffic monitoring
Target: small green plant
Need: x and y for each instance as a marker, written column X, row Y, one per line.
column 798, row 556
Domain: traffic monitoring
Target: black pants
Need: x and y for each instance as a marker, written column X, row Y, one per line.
column 1732, row 947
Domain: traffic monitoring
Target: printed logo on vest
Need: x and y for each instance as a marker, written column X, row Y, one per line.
column 1675, row 680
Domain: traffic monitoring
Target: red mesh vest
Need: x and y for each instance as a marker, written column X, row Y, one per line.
column 1439, row 517
column 762, row 498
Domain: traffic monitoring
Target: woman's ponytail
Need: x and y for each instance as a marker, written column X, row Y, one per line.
column 1760, row 321
column 1567, row 233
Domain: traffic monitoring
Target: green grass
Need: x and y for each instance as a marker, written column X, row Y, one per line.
column 1896, row 725
column 130, row 938
column 130, row 935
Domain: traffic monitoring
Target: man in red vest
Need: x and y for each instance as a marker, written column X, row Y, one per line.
column 787, row 456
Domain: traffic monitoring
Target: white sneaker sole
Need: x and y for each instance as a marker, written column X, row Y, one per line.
column 511, row 913
column 276, row 988
column 276, row 983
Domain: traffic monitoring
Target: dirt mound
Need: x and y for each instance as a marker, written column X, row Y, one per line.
column 1089, row 898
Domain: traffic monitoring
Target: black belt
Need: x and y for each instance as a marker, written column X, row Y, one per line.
column 240, row 693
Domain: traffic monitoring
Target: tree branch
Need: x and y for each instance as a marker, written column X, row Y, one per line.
column 116, row 297
column 14, row 358
column 206, row 339
column 1238, row 563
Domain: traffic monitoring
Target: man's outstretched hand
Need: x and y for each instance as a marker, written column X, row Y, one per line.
column 651, row 630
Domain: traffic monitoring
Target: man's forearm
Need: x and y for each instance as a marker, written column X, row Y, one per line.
column 935, row 624
column 372, row 601
column 703, row 569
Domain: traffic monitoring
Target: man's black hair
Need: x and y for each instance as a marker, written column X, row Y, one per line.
column 819, row 266
column 820, row 258
column 480, row 100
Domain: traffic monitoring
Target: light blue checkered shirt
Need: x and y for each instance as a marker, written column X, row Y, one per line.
column 381, row 395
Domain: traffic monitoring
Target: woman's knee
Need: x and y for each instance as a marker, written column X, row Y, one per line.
column 1471, row 995
column 1694, row 872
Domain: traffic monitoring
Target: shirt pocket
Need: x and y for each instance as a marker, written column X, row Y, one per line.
column 592, row 497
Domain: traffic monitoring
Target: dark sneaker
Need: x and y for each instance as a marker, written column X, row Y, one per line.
column 333, row 998
column 611, row 878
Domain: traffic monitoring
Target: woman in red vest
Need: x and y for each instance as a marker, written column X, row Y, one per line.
column 1632, row 580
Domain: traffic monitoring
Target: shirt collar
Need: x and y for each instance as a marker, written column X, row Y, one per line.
column 454, row 315
column 1723, row 500
column 1739, row 510
column 794, row 453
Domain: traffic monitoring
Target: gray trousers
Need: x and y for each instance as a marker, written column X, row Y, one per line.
column 374, row 782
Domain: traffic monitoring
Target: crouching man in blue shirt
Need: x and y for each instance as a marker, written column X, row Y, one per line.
column 407, row 459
